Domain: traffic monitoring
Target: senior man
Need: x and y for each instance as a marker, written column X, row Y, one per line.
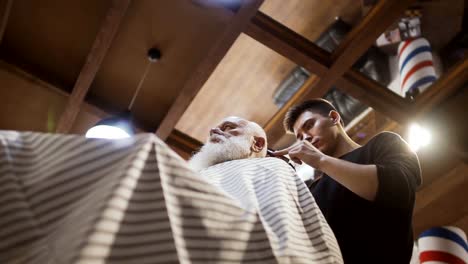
column 232, row 139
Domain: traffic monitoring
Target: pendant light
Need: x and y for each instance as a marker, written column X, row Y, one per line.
column 121, row 125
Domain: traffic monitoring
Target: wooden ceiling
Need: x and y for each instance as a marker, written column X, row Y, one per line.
column 69, row 64
column 244, row 82
column 171, row 26
column 52, row 38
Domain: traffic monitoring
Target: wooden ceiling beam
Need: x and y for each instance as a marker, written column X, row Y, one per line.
column 356, row 43
column 183, row 142
column 443, row 88
column 101, row 45
column 274, row 127
column 5, row 16
column 365, row 33
column 288, row 43
column 440, row 187
column 206, row 67
column 176, row 139
column 375, row 95
column 443, row 202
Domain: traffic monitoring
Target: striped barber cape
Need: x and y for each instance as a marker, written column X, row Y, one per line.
column 68, row 199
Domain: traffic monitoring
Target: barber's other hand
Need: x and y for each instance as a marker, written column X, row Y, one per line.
column 303, row 151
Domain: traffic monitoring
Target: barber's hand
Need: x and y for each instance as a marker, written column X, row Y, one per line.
column 303, row 151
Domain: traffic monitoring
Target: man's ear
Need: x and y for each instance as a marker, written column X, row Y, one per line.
column 258, row 144
column 335, row 116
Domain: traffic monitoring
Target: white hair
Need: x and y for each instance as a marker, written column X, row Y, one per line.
column 255, row 129
column 232, row 148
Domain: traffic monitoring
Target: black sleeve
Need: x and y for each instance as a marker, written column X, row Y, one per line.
column 398, row 171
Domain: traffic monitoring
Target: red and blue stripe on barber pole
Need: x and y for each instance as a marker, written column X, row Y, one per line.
column 443, row 245
column 415, row 65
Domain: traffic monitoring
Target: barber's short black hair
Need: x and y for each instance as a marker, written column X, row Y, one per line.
column 318, row 105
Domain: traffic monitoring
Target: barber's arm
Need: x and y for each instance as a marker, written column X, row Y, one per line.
column 391, row 180
column 360, row 179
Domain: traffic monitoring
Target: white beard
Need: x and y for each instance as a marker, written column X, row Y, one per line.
column 210, row 154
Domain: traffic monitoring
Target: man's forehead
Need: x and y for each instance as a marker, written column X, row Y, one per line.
column 234, row 119
column 306, row 115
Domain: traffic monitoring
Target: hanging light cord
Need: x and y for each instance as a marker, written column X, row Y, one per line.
column 140, row 84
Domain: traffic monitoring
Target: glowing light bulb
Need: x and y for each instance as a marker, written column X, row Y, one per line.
column 108, row 132
column 418, row 137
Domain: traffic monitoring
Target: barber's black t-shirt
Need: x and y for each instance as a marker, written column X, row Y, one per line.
column 379, row 231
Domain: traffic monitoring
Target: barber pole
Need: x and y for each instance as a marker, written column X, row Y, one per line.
column 416, row 66
column 443, row 245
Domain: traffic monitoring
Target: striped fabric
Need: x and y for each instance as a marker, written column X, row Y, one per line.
column 443, row 245
column 415, row 65
column 288, row 212
column 68, row 199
